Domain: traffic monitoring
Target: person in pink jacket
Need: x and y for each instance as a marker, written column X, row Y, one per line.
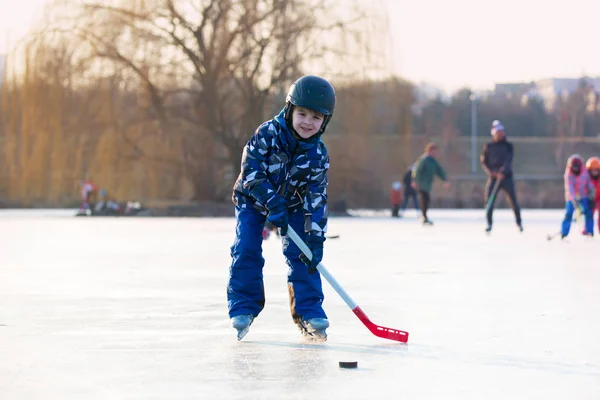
column 578, row 190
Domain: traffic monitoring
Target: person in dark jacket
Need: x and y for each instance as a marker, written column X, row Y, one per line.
column 409, row 191
column 496, row 160
column 427, row 167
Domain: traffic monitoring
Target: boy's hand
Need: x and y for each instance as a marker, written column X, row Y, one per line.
column 278, row 214
column 315, row 244
column 446, row 185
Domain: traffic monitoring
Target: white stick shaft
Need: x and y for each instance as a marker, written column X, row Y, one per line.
column 321, row 268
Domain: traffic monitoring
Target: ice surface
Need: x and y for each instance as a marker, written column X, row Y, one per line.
column 135, row 308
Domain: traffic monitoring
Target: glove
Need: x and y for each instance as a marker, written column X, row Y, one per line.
column 315, row 244
column 278, row 214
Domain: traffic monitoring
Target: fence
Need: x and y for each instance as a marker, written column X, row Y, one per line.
column 366, row 180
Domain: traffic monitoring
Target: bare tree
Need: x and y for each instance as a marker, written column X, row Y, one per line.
column 211, row 71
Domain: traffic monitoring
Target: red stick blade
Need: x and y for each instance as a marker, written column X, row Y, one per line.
column 382, row 332
column 389, row 333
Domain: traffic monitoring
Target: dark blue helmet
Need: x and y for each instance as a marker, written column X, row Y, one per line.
column 314, row 93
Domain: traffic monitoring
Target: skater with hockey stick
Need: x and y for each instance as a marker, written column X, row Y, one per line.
column 578, row 192
column 496, row 160
column 283, row 180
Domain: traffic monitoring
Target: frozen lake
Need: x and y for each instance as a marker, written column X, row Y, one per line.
column 135, row 308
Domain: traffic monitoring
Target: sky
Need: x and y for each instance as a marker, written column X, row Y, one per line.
column 480, row 42
column 453, row 44
column 16, row 17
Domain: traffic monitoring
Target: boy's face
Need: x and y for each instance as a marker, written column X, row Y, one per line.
column 306, row 122
column 594, row 172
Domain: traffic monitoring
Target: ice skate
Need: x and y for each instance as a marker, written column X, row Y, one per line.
column 426, row 222
column 488, row 229
column 520, row 226
column 242, row 324
column 314, row 329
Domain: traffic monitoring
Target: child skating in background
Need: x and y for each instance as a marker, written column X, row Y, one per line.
column 283, row 180
column 593, row 167
column 578, row 190
column 396, row 198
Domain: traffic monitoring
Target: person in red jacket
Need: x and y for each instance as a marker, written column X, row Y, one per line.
column 593, row 167
column 396, row 198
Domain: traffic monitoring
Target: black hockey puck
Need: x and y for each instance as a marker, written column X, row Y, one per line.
column 348, row 364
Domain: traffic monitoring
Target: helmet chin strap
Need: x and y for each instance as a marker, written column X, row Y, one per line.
column 287, row 114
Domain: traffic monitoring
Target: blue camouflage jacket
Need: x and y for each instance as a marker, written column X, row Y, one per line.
column 274, row 162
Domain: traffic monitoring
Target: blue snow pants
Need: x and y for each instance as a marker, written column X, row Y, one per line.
column 245, row 289
column 570, row 208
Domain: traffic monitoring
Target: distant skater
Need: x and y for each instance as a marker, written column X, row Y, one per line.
column 496, row 160
column 579, row 189
column 426, row 168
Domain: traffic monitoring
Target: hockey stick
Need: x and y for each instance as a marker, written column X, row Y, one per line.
column 493, row 195
column 578, row 211
column 382, row 332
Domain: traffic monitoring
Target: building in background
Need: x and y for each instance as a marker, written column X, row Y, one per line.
column 551, row 90
column 512, row 89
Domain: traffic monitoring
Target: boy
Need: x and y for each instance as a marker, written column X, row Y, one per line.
column 593, row 167
column 578, row 187
column 283, row 180
column 426, row 168
column 496, row 160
